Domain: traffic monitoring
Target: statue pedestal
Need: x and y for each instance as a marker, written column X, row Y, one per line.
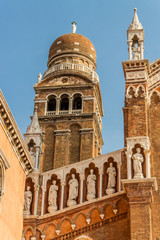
column 52, row 209
column 71, row 203
column 90, row 197
column 26, row 213
column 138, row 176
column 110, row 191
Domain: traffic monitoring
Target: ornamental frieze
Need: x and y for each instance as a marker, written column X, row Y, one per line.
column 137, row 75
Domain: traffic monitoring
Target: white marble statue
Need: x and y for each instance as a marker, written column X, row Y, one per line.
column 91, row 185
column 39, row 77
column 27, row 201
column 137, row 164
column 33, row 153
column 74, row 27
column 111, row 171
column 136, row 52
column 52, row 197
column 73, row 191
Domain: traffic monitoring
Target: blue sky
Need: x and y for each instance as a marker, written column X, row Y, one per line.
column 28, row 28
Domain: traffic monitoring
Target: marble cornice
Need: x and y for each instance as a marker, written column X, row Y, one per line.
column 11, row 129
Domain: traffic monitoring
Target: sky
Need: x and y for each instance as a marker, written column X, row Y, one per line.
column 29, row 27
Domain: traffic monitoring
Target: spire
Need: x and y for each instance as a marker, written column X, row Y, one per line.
column 34, row 127
column 135, row 39
column 73, row 27
column 135, row 22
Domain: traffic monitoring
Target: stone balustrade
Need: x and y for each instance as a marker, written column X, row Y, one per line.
column 81, row 170
column 72, row 66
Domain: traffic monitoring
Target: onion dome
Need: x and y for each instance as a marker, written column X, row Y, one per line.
column 72, row 43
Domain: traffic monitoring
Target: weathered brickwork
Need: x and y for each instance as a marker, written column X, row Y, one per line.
column 135, row 117
column 111, row 224
column 154, row 126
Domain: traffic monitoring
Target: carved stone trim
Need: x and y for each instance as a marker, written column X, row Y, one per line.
column 142, row 140
column 140, row 190
column 62, row 132
column 11, row 129
column 86, row 130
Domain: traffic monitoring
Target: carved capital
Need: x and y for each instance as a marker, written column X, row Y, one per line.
column 36, row 188
column 63, row 183
column 139, row 191
column 128, row 153
column 82, row 177
column 119, row 164
column 43, row 188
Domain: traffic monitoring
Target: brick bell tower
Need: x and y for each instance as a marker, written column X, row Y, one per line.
column 139, row 184
column 68, row 102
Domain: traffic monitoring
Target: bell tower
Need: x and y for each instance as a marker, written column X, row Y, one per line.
column 68, row 102
column 136, row 75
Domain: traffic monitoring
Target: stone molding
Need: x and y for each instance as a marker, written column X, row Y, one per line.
column 62, row 132
column 140, row 191
column 138, row 75
column 4, row 159
column 142, row 140
column 11, row 129
column 71, row 67
column 86, row 130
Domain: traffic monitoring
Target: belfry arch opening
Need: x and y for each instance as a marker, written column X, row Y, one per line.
column 77, row 102
column 51, row 105
column 64, row 102
column 135, row 39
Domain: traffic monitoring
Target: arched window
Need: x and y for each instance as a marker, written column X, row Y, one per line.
column 1, row 177
column 3, row 166
column 51, row 105
column 77, row 102
column 64, row 102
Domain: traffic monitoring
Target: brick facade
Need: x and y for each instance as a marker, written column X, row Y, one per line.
column 69, row 111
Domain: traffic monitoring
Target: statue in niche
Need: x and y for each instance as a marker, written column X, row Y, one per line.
column 27, row 201
column 91, row 185
column 138, row 159
column 52, row 197
column 33, row 153
column 136, row 52
column 73, row 191
column 111, row 171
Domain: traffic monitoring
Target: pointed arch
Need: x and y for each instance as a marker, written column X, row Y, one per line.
column 154, row 91
column 26, row 229
column 138, row 88
column 128, row 91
